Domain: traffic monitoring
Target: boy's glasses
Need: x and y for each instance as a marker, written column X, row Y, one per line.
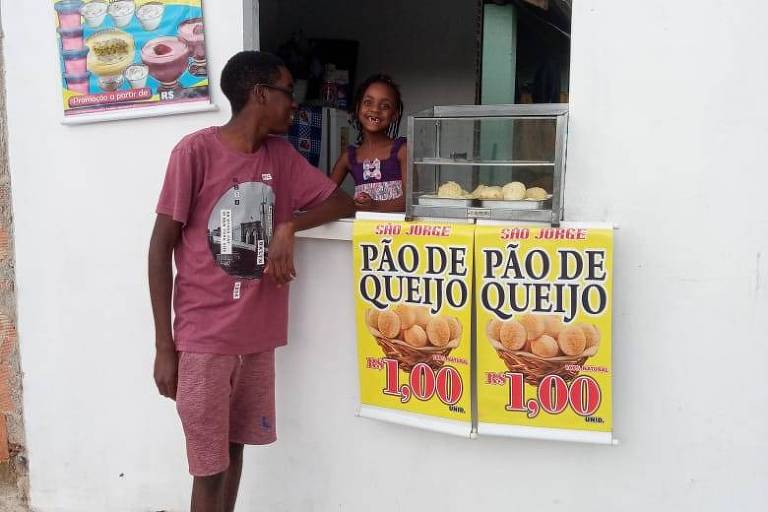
column 284, row 90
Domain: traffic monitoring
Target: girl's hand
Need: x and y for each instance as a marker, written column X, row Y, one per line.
column 363, row 201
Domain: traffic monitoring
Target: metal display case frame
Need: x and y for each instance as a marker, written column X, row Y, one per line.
column 551, row 211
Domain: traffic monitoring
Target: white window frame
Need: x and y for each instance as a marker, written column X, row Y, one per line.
column 251, row 25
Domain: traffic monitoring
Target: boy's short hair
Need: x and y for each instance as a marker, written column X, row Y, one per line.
column 243, row 71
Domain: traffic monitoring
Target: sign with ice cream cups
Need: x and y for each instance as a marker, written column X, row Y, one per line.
column 543, row 332
column 413, row 309
column 131, row 58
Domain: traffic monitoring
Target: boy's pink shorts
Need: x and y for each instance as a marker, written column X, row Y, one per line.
column 224, row 399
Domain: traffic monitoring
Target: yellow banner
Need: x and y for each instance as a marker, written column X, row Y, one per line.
column 543, row 330
column 413, row 295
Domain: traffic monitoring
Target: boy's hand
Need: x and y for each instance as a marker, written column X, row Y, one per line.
column 280, row 261
column 166, row 371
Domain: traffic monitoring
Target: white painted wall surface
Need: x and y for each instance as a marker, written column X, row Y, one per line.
column 84, row 199
column 666, row 139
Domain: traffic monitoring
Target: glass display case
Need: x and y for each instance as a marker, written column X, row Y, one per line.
column 500, row 162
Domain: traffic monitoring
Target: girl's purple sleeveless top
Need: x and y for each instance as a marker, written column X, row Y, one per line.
column 382, row 180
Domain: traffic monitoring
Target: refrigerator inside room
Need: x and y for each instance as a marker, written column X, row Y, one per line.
column 321, row 134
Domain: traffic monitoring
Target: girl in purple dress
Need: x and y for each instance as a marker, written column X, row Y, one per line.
column 378, row 160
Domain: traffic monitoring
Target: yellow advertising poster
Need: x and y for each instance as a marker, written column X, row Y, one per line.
column 543, row 332
column 413, row 302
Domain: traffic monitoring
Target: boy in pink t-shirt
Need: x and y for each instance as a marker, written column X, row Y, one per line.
column 226, row 216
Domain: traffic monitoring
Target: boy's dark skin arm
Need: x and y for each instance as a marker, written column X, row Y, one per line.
column 280, row 263
column 165, row 235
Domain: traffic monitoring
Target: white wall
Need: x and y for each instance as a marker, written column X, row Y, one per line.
column 664, row 130
column 666, row 139
column 84, row 199
column 429, row 52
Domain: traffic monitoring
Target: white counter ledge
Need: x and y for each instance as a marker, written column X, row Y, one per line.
column 342, row 228
column 337, row 230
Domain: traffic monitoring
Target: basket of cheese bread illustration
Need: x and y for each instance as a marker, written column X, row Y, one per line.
column 541, row 345
column 411, row 335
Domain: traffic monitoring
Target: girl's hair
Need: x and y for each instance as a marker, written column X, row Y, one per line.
column 378, row 78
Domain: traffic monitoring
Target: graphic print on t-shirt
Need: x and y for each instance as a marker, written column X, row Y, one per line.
column 240, row 229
